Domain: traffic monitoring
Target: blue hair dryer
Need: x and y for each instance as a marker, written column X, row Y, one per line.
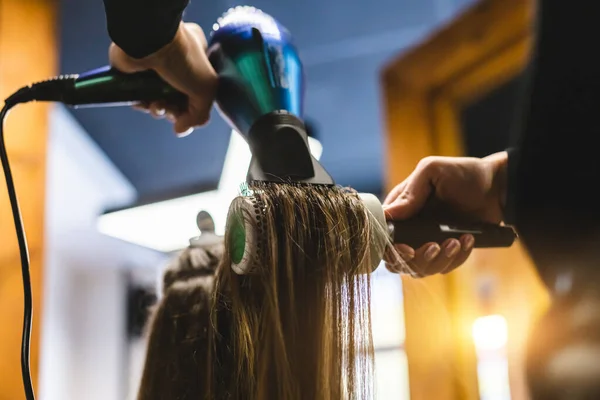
column 260, row 93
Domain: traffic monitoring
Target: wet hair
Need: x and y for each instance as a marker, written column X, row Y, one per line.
column 297, row 327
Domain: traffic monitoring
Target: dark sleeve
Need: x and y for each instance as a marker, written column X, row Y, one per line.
column 141, row 27
column 556, row 204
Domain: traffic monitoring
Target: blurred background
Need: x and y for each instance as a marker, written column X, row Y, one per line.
column 109, row 194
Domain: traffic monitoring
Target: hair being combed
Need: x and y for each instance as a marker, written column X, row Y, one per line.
column 299, row 326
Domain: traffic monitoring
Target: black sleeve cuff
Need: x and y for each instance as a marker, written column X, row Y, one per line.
column 511, row 170
column 142, row 27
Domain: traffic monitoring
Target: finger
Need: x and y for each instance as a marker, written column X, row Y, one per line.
column 467, row 244
column 395, row 192
column 424, row 255
column 158, row 109
column 392, row 259
column 407, row 252
column 422, row 170
column 399, row 266
column 177, row 108
column 192, row 118
column 399, row 258
column 396, row 268
column 169, row 116
column 438, row 258
column 412, row 198
column 185, row 133
column 141, row 108
column 179, row 120
column 181, row 126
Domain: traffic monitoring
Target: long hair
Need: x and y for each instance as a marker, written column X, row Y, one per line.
column 176, row 366
column 298, row 327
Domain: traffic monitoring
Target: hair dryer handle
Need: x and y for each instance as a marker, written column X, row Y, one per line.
column 416, row 232
column 108, row 86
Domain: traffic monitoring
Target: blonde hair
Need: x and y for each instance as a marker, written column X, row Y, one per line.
column 299, row 326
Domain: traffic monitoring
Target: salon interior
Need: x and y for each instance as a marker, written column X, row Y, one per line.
column 109, row 195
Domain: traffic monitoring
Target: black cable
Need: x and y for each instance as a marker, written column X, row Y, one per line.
column 24, row 255
column 113, row 88
column 119, row 88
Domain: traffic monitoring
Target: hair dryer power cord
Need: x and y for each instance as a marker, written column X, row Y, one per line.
column 24, row 255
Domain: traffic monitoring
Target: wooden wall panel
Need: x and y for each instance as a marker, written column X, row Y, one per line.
column 28, row 52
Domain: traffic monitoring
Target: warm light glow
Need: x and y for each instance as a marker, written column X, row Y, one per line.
column 169, row 225
column 490, row 333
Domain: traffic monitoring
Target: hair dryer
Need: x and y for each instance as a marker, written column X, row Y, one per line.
column 260, row 93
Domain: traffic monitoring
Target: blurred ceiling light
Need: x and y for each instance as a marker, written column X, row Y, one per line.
column 168, row 225
column 490, row 336
column 490, row 333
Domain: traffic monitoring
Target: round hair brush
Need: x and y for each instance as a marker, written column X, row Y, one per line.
column 247, row 236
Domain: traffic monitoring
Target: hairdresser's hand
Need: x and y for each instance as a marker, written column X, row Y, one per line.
column 183, row 64
column 474, row 187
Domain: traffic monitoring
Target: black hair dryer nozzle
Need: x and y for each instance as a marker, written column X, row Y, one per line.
column 280, row 152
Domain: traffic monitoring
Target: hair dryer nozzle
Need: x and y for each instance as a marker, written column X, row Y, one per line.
column 280, row 152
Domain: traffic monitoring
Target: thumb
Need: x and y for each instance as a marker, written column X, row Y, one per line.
column 412, row 199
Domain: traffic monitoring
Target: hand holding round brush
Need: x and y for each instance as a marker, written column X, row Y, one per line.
column 473, row 187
